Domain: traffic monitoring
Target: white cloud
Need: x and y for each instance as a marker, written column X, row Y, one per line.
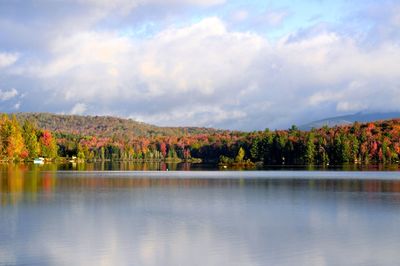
column 324, row 96
column 209, row 116
column 7, row 59
column 178, row 66
column 347, row 106
column 205, row 74
column 17, row 105
column 89, row 64
column 78, row 109
column 8, row 94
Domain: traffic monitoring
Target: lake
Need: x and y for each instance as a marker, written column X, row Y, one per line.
column 52, row 215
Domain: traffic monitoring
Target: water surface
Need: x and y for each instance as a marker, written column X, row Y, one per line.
column 52, row 217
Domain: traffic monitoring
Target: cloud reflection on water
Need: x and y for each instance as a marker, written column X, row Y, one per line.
column 115, row 220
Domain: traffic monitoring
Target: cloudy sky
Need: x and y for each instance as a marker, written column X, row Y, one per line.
column 228, row 64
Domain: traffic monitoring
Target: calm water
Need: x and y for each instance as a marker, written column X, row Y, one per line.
column 53, row 217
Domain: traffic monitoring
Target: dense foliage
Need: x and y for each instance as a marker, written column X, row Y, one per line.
column 24, row 141
column 114, row 139
column 377, row 142
column 105, row 126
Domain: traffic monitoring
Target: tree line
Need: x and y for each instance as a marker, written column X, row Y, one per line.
column 24, row 141
column 377, row 142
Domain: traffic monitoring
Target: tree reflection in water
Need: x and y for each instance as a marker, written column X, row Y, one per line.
column 23, row 183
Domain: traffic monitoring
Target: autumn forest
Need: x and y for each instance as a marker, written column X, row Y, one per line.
column 61, row 137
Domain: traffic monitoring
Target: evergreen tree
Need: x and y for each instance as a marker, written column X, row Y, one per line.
column 255, row 149
column 309, row 154
column 355, row 147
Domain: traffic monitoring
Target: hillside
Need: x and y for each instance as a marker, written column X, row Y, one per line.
column 105, row 126
column 350, row 119
column 107, row 138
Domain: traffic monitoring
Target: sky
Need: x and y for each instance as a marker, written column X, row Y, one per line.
column 244, row 65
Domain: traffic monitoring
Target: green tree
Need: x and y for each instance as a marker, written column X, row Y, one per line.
column 341, row 149
column 81, row 153
column 255, row 149
column 102, row 153
column 29, row 134
column 172, row 153
column 385, row 152
column 240, row 155
column 309, row 154
column 355, row 147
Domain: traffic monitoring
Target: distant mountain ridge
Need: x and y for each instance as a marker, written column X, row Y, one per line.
column 106, row 126
column 350, row 119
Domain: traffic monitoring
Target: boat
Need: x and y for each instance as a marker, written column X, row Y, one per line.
column 39, row 160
